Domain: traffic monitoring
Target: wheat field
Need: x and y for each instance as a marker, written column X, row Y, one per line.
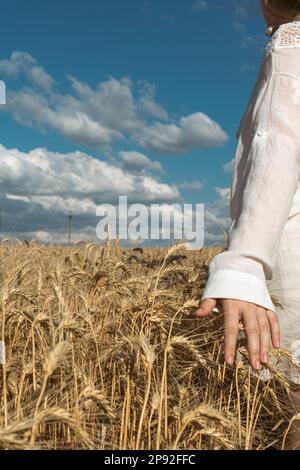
column 103, row 352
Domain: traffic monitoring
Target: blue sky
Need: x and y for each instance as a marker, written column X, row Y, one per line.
column 109, row 97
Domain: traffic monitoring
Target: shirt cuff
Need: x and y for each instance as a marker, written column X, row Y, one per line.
column 239, row 285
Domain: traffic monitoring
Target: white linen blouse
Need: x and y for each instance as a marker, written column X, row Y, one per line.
column 265, row 188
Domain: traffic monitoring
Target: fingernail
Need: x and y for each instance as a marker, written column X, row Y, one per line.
column 265, row 358
column 257, row 365
column 230, row 360
column 277, row 343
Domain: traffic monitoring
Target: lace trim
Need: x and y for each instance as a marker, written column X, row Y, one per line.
column 287, row 35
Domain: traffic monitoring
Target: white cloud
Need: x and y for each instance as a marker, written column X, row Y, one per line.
column 59, row 204
column 199, row 5
column 240, row 14
column 144, row 7
column 22, row 62
column 147, row 101
column 87, row 234
column 138, row 162
column 194, row 131
column 228, row 167
column 217, row 217
column 39, row 188
column 43, row 173
column 116, row 110
column 243, row 14
column 194, row 185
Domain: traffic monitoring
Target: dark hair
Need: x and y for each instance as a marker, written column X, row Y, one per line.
column 289, row 6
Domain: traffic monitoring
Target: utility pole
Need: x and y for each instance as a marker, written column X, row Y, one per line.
column 70, row 228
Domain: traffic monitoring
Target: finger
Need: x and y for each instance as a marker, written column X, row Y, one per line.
column 231, row 332
column 275, row 328
column 265, row 333
column 206, row 307
column 253, row 338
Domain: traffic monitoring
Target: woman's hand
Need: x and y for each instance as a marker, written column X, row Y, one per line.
column 261, row 327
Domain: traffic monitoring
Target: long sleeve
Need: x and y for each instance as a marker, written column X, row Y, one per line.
column 266, row 172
